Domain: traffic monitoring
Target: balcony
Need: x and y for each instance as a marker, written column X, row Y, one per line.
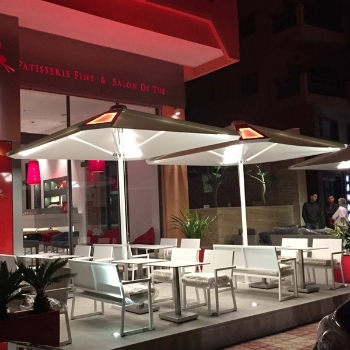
column 305, row 23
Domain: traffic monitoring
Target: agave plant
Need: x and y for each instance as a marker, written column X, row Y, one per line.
column 41, row 277
column 192, row 225
column 9, row 287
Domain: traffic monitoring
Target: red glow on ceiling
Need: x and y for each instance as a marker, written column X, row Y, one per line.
column 249, row 134
column 102, row 119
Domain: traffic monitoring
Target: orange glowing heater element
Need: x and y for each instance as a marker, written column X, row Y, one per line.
column 249, row 134
column 102, row 119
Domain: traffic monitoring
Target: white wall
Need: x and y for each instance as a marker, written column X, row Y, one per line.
column 143, row 198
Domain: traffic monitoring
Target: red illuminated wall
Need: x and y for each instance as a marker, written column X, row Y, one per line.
column 6, row 210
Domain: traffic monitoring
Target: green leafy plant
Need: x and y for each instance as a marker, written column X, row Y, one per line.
column 341, row 231
column 40, row 278
column 192, row 225
column 9, row 287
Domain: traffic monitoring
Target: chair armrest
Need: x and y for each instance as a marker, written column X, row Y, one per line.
column 47, row 292
column 288, row 259
column 141, row 256
column 83, row 258
column 106, row 259
column 137, row 281
column 225, row 268
column 336, row 253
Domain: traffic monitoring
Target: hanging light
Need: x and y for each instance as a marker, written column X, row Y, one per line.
column 33, row 173
column 96, row 166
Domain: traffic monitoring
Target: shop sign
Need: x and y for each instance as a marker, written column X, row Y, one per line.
column 62, row 65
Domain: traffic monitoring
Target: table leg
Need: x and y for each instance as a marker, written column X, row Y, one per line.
column 177, row 316
column 302, row 287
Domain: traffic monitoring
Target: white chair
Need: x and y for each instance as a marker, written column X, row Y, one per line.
column 190, row 243
column 166, row 253
column 216, row 275
column 82, row 250
column 59, row 291
column 10, row 261
column 102, row 253
column 166, row 275
column 133, row 267
column 238, row 257
column 329, row 258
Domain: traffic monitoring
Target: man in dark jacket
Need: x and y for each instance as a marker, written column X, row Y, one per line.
column 312, row 213
column 330, row 209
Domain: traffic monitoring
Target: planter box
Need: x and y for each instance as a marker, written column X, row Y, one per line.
column 262, row 218
column 42, row 329
column 346, row 269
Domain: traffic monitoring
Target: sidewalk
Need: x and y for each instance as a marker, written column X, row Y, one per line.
column 302, row 338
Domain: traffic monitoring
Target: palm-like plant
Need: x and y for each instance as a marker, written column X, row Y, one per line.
column 9, row 287
column 192, row 225
column 41, row 278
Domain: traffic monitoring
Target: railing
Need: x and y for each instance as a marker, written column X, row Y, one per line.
column 326, row 86
column 285, row 21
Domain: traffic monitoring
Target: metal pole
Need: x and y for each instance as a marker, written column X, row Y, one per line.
column 70, row 192
column 243, row 203
column 122, row 209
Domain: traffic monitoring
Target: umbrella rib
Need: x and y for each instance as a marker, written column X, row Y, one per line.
column 261, row 152
column 91, row 145
column 151, row 138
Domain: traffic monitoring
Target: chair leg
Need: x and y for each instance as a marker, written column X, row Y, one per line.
column 73, row 305
column 209, row 301
column 294, row 278
column 197, row 295
column 233, row 297
column 217, row 300
column 122, row 319
column 69, row 341
column 184, row 299
column 313, row 275
column 326, row 275
column 279, row 289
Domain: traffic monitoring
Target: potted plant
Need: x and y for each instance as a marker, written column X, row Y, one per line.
column 42, row 324
column 10, row 282
column 192, row 225
column 343, row 232
column 41, row 278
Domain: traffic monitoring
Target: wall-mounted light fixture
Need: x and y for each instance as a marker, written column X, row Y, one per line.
column 33, row 173
column 177, row 111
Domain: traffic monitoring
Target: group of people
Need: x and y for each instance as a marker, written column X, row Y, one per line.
column 334, row 213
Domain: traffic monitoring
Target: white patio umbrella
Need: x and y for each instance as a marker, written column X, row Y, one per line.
column 122, row 135
column 334, row 161
column 256, row 145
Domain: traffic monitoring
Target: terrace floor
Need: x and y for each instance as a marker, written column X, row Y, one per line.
column 248, row 323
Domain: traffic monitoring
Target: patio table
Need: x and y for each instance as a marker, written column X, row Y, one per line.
column 177, row 316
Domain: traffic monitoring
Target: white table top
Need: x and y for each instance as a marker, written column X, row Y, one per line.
column 168, row 263
column 297, row 248
column 152, row 246
column 49, row 256
column 137, row 261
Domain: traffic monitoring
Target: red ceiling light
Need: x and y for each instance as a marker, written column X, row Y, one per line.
column 96, row 166
column 33, row 173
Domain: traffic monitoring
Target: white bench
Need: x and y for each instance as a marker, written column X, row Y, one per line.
column 100, row 282
column 262, row 261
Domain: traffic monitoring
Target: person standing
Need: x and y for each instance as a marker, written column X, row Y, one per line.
column 311, row 212
column 330, row 208
column 341, row 216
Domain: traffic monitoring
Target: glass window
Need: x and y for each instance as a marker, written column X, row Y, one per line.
column 329, row 129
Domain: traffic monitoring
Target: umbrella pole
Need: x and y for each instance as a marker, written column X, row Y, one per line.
column 243, row 203
column 122, row 211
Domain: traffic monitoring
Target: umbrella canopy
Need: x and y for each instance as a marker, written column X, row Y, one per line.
column 121, row 134
column 334, row 161
column 256, row 145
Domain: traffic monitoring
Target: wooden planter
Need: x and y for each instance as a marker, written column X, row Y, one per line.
column 41, row 329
